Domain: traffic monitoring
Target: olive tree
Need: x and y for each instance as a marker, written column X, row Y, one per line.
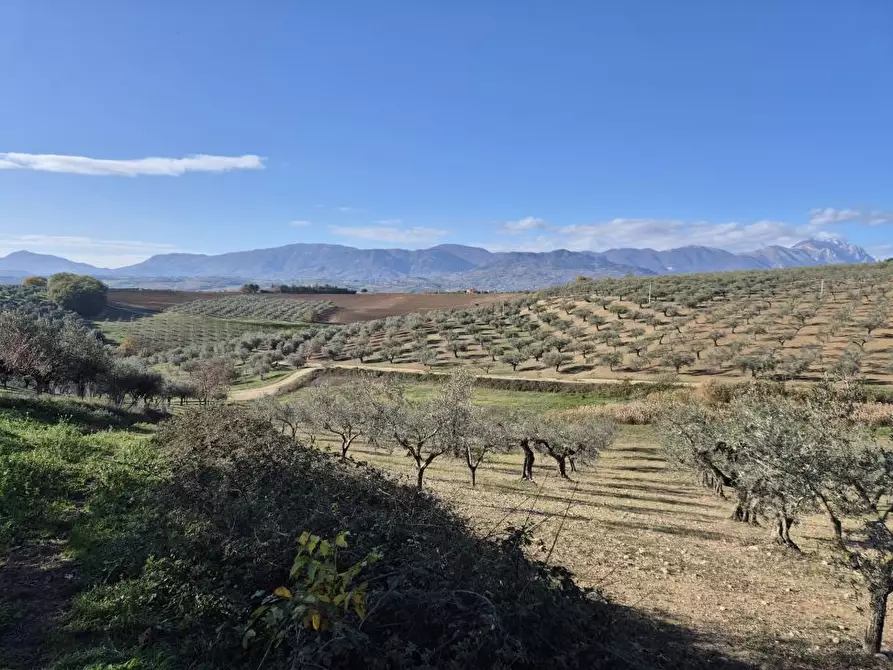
column 490, row 430
column 428, row 429
column 787, row 457
column 569, row 442
column 346, row 411
column 555, row 359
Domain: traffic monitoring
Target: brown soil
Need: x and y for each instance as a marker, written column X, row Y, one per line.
column 350, row 307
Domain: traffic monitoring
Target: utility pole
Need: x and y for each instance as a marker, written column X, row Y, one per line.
column 822, row 289
column 649, row 292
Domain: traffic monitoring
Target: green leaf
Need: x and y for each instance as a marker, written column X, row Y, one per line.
column 341, row 539
column 304, row 538
column 325, row 548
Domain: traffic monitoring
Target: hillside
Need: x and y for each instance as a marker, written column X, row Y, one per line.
column 443, row 267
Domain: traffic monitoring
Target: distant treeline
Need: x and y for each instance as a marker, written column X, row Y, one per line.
column 316, row 288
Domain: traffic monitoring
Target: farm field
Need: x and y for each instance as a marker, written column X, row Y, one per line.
column 788, row 325
column 349, row 308
column 650, row 538
column 168, row 330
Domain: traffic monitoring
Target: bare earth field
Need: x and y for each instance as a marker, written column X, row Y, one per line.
column 350, row 307
column 649, row 538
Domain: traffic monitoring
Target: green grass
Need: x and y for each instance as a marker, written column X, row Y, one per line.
column 254, row 381
column 544, row 401
column 70, row 476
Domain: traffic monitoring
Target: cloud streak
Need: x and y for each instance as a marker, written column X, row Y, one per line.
column 153, row 166
column 523, row 225
column 828, row 216
column 659, row 234
column 414, row 236
column 300, row 223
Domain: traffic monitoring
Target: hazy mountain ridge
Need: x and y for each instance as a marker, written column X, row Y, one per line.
column 443, row 267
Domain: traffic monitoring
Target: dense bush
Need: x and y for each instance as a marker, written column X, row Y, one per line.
column 79, row 293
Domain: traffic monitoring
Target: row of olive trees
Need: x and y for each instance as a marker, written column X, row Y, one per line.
column 786, row 457
column 379, row 411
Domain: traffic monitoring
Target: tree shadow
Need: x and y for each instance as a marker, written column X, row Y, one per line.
column 118, row 313
column 681, row 531
column 577, row 367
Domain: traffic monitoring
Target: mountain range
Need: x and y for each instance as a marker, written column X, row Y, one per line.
column 443, row 267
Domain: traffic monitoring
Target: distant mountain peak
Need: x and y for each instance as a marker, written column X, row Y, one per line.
column 829, row 250
column 22, row 263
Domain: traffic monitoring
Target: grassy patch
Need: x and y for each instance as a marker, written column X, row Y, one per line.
column 531, row 400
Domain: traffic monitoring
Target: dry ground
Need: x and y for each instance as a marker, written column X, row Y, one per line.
column 649, row 538
column 351, row 307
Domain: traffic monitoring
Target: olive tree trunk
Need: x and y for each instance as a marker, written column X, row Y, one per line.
column 876, row 617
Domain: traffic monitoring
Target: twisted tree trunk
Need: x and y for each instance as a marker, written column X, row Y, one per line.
column 876, row 617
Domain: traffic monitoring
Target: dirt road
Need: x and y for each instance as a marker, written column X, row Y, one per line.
column 284, row 385
column 556, row 380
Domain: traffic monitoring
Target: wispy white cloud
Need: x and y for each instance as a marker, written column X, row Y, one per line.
column 300, row 223
column 827, row 216
column 389, row 222
column 666, row 234
column 880, row 251
column 657, row 234
column 346, row 209
column 102, row 253
column 523, row 225
column 536, row 234
column 168, row 167
column 414, row 236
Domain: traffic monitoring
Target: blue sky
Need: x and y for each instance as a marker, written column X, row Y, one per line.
column 506, row 123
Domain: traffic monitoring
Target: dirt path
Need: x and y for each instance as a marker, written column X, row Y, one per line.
column 556, row 380
column 284, row 385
